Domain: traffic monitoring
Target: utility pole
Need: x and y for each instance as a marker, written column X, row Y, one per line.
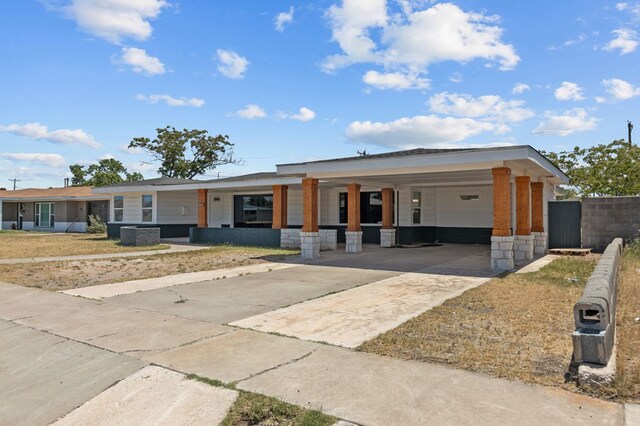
column 14, row 182
column 630, row 127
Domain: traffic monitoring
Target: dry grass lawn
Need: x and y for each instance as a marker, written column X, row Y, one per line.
column 20, row 245
column 74, row 274
column 627, row 384
column 517, row 326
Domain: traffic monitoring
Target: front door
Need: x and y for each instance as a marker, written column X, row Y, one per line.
column 216, row 211
column 20, row 214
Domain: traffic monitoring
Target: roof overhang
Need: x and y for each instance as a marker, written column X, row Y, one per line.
column 523, row 160
column 60, row 198
column 214, row 185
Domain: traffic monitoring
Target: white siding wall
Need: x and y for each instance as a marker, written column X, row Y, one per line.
column 294, row 207
column 451, row 211
column 170, row 207
column 132, row 203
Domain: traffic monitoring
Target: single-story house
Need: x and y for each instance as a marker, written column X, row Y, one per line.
column 496, row 196
column 53, row 209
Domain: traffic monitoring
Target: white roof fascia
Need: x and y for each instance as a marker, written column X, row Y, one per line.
column 448, row 161
column 96, row 198
column 204, row 185
column 543, row 162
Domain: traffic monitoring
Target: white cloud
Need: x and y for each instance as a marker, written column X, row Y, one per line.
column 171, row 101
column 571, row 121
column 620, row 90
column 141, row 62
column 395, row 80
column 456, row 77
column 62, row 136
column 133, row 151
column 49, row 160
column 304, row 114
column 626, row 41
column 409, row 41
column 251, row 111
column 520, row 88
column 488, row 107
column 568, row 91
column 633, row 9
column 231, row 64
column 114, row 20
column 429, row 131
column 284, row 18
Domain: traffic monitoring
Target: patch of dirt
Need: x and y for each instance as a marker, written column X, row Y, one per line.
column 75, row 274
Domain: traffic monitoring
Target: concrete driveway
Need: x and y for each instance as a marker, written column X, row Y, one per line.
column 66, row 350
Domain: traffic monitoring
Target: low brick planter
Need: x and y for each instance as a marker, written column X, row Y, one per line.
column 133, row 236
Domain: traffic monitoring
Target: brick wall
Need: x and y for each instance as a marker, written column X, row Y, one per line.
column 606, row 218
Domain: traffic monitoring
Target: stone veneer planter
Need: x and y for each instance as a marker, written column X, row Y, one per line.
column 133, row 236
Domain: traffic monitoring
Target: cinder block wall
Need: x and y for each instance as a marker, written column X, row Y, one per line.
column 606, row 218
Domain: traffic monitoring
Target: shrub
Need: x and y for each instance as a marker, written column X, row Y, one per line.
column 96, row 225
column 633, row 247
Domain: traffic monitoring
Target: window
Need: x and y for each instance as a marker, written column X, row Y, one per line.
column 253, row 211
column 416, row 206
column 118, row 208
column 370, row 207
column 469, row 197
column 45, row 213
column 147, row 208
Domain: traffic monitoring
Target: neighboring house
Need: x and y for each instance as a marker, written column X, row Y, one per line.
column 417, row 196
column 52, row 209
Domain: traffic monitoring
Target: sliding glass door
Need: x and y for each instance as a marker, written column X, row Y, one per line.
column 45, row 213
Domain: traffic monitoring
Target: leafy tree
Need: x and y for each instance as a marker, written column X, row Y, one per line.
column 105, row 172
column 602, row 170
column 170, row 147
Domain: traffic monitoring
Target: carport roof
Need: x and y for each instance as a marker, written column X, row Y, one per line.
column 522, row 159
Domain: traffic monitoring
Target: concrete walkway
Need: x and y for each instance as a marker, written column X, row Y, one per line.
column 354, row 316
column 358, row 387
column 129, row 287
column 174, row 248
column 154, row 396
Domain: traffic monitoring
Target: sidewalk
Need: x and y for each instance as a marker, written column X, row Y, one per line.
column 358, row 387
column 174, row 248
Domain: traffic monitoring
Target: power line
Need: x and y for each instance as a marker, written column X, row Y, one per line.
column 14, row 180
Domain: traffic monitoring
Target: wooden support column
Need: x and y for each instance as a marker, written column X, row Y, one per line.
column 280, row 206
column 310, row 205
column 353, row 201
column 387, row 208
column 501, row 202
column 202, row 208
column 523, row 205
column 537, row 206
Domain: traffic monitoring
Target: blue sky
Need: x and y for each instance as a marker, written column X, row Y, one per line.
column 291, row 81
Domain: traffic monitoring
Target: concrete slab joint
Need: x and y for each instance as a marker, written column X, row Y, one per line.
column 523, row 247
column 310, row 245
column 539, row 242
column 353, row 241
column 502, row 253
column 387, row 237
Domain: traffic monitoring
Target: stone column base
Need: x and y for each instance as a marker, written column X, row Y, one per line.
column 387, row 237
column 310, row 245
column 502, row 253
column 354, row 241
column 523, row 247
column 539, row 242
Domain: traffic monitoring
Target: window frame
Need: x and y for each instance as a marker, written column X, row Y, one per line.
column 343, row 207
column 118, row 209
column 416, row 209
column 242, row 222
column 148, row 209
